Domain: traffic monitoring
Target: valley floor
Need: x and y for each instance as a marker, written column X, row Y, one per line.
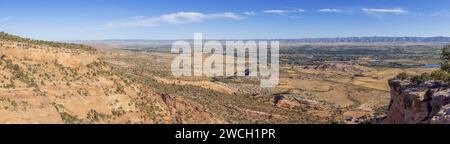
column 306, row 94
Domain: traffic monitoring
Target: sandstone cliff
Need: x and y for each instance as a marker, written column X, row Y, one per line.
column 49, row 83
column 426, row 103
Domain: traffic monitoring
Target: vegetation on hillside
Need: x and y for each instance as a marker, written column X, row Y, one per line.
column 12, row 38
column 442, row 74
column 391, row 56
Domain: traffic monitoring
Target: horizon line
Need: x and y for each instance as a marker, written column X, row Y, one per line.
column 262, row 38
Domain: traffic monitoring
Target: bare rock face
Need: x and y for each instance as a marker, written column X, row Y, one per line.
column 283, row 102
column 286, row 102
column 443, row 116
column 413, row 104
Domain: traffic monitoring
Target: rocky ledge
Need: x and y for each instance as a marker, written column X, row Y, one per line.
column 426, row 103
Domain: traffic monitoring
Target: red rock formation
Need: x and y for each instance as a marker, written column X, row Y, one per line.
column 423, row 103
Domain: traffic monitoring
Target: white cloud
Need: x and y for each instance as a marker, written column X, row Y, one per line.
column 250, row 13
column 174, row 18
column 328, row 10
column 138, row 17
column 6, row 18
column 228, row 15
column 379, row 11
column 283, row 12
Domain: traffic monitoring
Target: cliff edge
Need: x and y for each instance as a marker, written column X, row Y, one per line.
column 426, row 103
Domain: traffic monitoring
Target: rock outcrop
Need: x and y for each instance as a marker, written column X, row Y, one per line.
column 426, row 103
column 284, row 102
column 45, row 82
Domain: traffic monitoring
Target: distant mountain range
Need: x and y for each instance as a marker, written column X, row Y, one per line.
column 375, row 39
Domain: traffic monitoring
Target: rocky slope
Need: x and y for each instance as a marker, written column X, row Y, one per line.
column 426, row 103
column 49, row 82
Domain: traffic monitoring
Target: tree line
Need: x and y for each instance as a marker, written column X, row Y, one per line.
column 12, row 38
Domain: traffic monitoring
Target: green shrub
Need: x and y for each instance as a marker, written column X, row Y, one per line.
column 8, row 37
column 445, row 58
column 440, row 75
column 421, row 78
column 403, row 76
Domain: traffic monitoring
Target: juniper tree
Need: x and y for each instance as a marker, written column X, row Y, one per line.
column 445, row 58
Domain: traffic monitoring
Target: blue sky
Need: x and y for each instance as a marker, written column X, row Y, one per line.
column 240, row 19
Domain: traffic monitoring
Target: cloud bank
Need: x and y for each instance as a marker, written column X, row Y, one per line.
column 380, row 11
column 250, row 13
column 328, row 10
column 173, row 19
column 283, row 12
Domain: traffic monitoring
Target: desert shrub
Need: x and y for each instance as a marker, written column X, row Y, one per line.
column 440, row 75
column 94, row 116
column 66, row 117
column 118, row 112
column 8, row 37
column 421, row 78
column 403, row 76
column 120, row 89
column 380, row 111
column 69, row 119
column 20, row 74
